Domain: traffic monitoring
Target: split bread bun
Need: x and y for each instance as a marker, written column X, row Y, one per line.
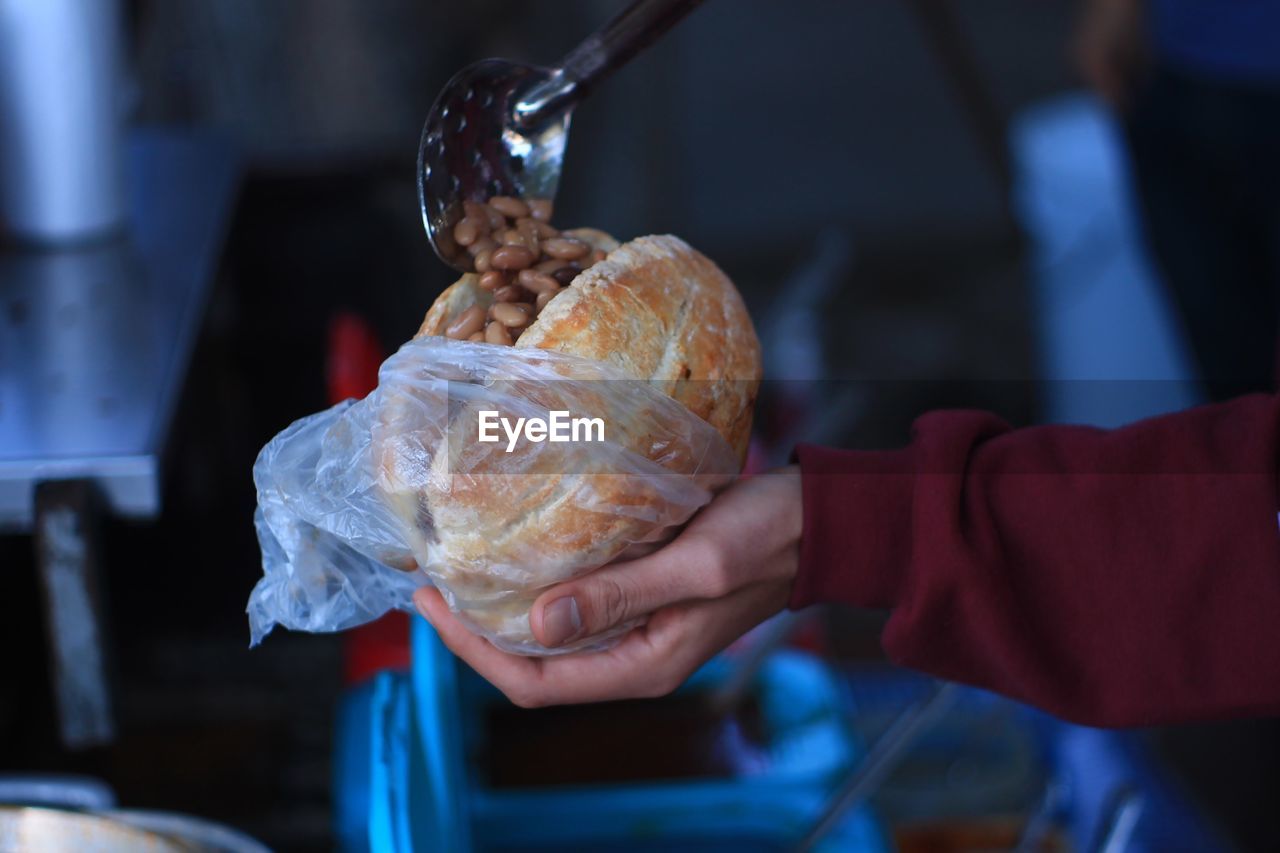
column 654, row 310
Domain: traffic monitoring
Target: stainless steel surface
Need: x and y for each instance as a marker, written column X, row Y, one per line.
column 207, row 836
column 885, row 754
column 94, row 342
column 64, row 792
column 61, row 174
column 23, row 830
column 499, row 127
column 605, row 51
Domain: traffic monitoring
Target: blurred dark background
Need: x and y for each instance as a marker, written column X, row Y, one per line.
column 752, row 130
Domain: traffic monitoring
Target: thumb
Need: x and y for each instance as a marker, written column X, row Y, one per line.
column 619, row 593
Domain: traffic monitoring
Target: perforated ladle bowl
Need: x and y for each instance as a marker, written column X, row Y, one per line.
column 500, row 127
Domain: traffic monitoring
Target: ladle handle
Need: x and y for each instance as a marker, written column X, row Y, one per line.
column 603, row 52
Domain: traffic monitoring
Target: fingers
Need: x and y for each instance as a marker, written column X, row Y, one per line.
column 534, row 682
column 691, row 567
column 748, row 534
column 650, row 661
column 494, row 665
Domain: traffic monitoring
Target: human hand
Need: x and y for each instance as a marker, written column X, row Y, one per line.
column 729, row 570
column 1109, row 47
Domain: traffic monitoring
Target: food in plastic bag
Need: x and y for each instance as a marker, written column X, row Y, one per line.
column 649, row 350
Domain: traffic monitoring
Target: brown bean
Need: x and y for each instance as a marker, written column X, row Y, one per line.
column 565, row 248
column 509, row 206
column 477, row 337
column 496, row 333
column 511, row 293
column 496, row 220
column 466, row 323
column 540, row 209
column 466, row 232
column 544, row 298
column 484, row 244
column 494, row 279
column 513, row 237
column 566, row 275
column 530, row 235
column 542, row 229
column 511, row 258
column 596, row 257
column 482, row 261
column 548, row 266
column 512, row 313
column 537, row 282
column 478, row 211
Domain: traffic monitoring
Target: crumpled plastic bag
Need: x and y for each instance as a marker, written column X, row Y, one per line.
column 363, row 503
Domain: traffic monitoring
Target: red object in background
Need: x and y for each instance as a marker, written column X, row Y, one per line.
column 354, row 356
column 352, row 372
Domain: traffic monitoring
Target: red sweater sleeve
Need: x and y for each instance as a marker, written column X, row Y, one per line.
column 1122, row 577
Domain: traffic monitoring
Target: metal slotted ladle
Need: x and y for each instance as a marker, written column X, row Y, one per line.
column 500, row 127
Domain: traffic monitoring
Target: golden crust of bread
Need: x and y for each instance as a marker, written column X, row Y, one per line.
column 658, row 310
column 655, row 310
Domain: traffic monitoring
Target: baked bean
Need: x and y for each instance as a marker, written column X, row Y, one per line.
column 466, row 324
column 496, row 333
column 494, row 279
column 540, row 209
column 537, row 282
column 565, row 248
column 496, row 220
column 542, row 229
column 530, row 235
column 516, row 237
column 509, row 206
column 466, row 232
column 511, row 258
column 511, row 293
column 544, row 298
column 566, row 275
column 523, row 260
column 512, row 313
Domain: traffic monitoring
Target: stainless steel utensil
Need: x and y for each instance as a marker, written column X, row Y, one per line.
column 25, row 828
column 882, row 757
column 499, row 127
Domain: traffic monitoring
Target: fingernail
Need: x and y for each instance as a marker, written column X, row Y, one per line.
column 561, row 620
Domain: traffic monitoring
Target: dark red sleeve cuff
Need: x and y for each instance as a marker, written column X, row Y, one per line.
column 856, row 540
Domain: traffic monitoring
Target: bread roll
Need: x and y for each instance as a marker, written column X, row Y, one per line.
column 656, row 311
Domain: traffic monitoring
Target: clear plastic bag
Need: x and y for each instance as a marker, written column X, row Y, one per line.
column 363, row 503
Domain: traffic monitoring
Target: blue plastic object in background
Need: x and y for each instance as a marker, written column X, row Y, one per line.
column 393, row 792
column 1111, row 347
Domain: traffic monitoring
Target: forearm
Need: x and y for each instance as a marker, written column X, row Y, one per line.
column 1121, row 577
